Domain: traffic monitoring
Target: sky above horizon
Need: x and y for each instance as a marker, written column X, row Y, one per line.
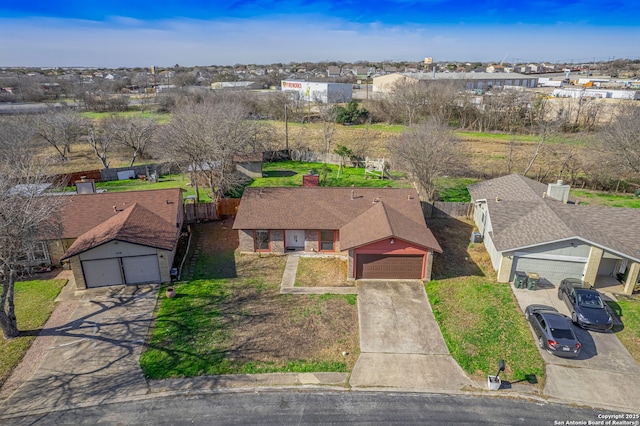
column 120, row 33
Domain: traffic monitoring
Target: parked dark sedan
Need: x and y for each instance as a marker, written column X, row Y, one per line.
column 553, row 330
column 586, row 306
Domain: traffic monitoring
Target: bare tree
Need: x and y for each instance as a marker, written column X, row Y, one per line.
column 426, row 151
column 328, row 115
column 621, row 138
column 206, row 136
column 409, row 98
column 25, row 216
column 135, row 134
column 101, row 140
column 60, row 130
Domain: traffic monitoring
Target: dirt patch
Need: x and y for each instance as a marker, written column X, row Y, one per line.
column 322, row 272
column 268, row 328
column 460, row 257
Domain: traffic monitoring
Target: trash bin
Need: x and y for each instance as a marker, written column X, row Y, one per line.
column 520, row 280
column 532, row 280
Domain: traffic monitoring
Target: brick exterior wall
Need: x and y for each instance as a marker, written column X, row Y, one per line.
column 57, row 248
column 350, row 274
column 311, row 240
column 246, row 240
column 277, row 240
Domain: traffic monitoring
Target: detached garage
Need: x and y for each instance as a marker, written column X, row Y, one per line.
column 133, row 247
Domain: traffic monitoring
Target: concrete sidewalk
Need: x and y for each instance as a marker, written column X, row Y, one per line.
column 400, row 341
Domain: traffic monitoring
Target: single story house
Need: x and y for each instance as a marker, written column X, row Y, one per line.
column 382, row 231
column 117, row 238
column 529, row 226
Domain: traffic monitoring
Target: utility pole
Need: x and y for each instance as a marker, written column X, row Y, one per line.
column 286, row 127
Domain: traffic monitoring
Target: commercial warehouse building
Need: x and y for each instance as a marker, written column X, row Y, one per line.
column 318, row 92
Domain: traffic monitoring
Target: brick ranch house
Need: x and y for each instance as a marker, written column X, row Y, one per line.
column 381, row 231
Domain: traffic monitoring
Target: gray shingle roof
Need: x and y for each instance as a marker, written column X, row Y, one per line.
column 521, row 217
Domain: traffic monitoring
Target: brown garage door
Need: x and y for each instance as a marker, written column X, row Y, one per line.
column 381, row 266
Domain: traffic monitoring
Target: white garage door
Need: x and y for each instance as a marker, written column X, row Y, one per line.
column 102, row 272
column 551, row 270
column 141, row 269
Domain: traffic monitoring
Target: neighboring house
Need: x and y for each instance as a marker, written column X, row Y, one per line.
column 382, row 231
column 529, row 226
column 117, row 238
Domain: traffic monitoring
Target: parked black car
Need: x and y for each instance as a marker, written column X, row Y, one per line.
column 554, row 331
column 586, row 306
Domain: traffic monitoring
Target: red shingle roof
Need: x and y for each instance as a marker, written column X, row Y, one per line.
column 135, row 225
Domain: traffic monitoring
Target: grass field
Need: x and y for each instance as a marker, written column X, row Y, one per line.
column 34, row 302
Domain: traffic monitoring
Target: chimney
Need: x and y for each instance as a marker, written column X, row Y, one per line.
column 558, row 191
column 310, row 179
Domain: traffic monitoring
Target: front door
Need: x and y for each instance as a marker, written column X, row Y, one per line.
column 294, row 239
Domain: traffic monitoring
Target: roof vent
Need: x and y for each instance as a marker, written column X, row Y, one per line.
column 558, row 191
column 497, row 199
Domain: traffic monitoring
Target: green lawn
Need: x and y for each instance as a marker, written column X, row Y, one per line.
column 34, row 302
column 572, row 140
column 161, row 118
column 628, row 309
column 481, row 323
column 454, row 189
column 289, row 173
column 606, row 199
column 164, row 182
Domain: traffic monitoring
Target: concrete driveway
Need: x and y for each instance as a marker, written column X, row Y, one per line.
column 94, row 357
column 400, row 341
column 605, row 374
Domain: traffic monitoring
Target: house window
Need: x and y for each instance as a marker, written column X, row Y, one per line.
column 40, row 252
column 327, row 240
column 261, row 238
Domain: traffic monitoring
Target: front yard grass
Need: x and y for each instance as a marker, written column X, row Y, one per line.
column 322, row 272
column 481, row 323
column 628, row 309
column 34, row 302
column 231, row 318
column 479, row 318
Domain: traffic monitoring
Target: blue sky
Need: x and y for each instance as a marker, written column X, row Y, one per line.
column 115, row 33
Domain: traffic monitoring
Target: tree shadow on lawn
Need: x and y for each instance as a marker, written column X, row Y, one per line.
column 280, row 173
column 460, row 257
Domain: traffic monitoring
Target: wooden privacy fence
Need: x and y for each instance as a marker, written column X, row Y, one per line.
column 441, row 210
column 228, row 206
column 203, row 212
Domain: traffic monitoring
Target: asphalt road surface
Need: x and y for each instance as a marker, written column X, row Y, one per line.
column 321, row 407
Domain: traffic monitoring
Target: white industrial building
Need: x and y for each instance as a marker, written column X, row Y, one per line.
column 318, row 92
column 579, row 92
